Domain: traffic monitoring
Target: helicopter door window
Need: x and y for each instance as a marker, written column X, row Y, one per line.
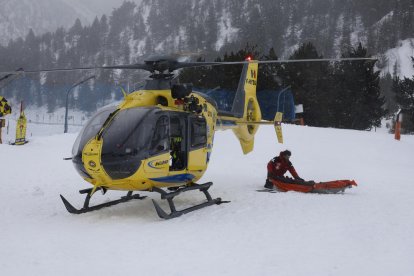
column 178, row 153
column 159, row 142
column 198, row 130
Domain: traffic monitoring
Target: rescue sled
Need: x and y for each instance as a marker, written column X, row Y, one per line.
column 285, row 184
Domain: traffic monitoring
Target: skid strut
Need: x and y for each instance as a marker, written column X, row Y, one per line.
column 169, row 196
column 86, row 208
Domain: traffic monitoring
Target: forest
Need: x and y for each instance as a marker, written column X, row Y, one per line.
column 333, row 94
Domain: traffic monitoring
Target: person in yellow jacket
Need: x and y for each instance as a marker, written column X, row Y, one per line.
column 5, row 109
column 176, row 153
column 2, row 124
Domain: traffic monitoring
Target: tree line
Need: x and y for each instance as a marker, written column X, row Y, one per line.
column 334, row 94
column 134, row 31
column 404, row 100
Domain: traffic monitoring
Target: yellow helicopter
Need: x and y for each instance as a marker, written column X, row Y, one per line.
column 160, row 138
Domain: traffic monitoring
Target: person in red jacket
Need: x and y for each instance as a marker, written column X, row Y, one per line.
column 278, row 166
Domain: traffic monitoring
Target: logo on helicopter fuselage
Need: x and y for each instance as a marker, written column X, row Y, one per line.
column 253, row 74
column 156, row 164
column 253, row 78
column 252, row 82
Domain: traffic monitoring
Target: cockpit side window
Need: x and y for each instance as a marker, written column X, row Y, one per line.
column 198, row 128
column 160, row 139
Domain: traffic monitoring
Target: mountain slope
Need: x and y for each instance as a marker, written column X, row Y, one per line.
column 399, row 61
column 17, row 17
column 95, row 7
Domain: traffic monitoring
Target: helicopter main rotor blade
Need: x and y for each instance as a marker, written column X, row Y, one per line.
column 165, row 64
column 129, row 66
column 171, row 65
column 218, row 63
column 198, row 64
column 7, row 75
column 318, row 60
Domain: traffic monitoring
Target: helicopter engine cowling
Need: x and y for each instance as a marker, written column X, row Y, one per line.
column 181, row 91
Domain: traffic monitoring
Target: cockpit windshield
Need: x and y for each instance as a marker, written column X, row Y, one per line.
column 126, row 141
column 91, row 129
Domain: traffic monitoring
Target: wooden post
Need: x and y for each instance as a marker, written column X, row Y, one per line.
column 397, row 131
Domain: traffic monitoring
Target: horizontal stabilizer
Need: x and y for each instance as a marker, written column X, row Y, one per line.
column 278, row 126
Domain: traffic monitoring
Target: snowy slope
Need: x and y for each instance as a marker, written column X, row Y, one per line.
column 399, row 59
column 17, row 17
column 96, row 7
column 366, row 231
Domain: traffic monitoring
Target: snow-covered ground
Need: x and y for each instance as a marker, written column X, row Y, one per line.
column 368, row 230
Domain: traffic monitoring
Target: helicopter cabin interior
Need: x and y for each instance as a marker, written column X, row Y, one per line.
column 187, row 133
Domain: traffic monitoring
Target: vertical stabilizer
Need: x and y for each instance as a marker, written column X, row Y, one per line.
column 246, row 107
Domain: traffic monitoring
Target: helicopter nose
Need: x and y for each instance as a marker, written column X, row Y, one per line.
column 80, row 168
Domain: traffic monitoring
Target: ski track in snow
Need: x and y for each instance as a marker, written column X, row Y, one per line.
column 368, row 230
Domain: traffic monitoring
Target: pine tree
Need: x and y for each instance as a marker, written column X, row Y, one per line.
column 268, row 78
column 273, row 17
column 221, row 79
column 310, row 84
column 254, row 30
column 93, row 38
column 359, row 104
column 404, row 96
column 119, row 20
column 87, row 98
column 386, row 85
column 75, row 32
column 212, row 29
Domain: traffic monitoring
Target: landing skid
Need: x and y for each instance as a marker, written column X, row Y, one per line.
column 169, row 196
column 86, row 208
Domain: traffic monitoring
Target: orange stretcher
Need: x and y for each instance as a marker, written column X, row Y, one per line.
column 285, row 184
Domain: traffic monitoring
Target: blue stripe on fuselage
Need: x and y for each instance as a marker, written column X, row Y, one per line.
column 174, row 178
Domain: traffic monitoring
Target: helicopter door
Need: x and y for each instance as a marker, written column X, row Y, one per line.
column 159, row 142
column 197, row 159
column 178, row 142
column 157, row 164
